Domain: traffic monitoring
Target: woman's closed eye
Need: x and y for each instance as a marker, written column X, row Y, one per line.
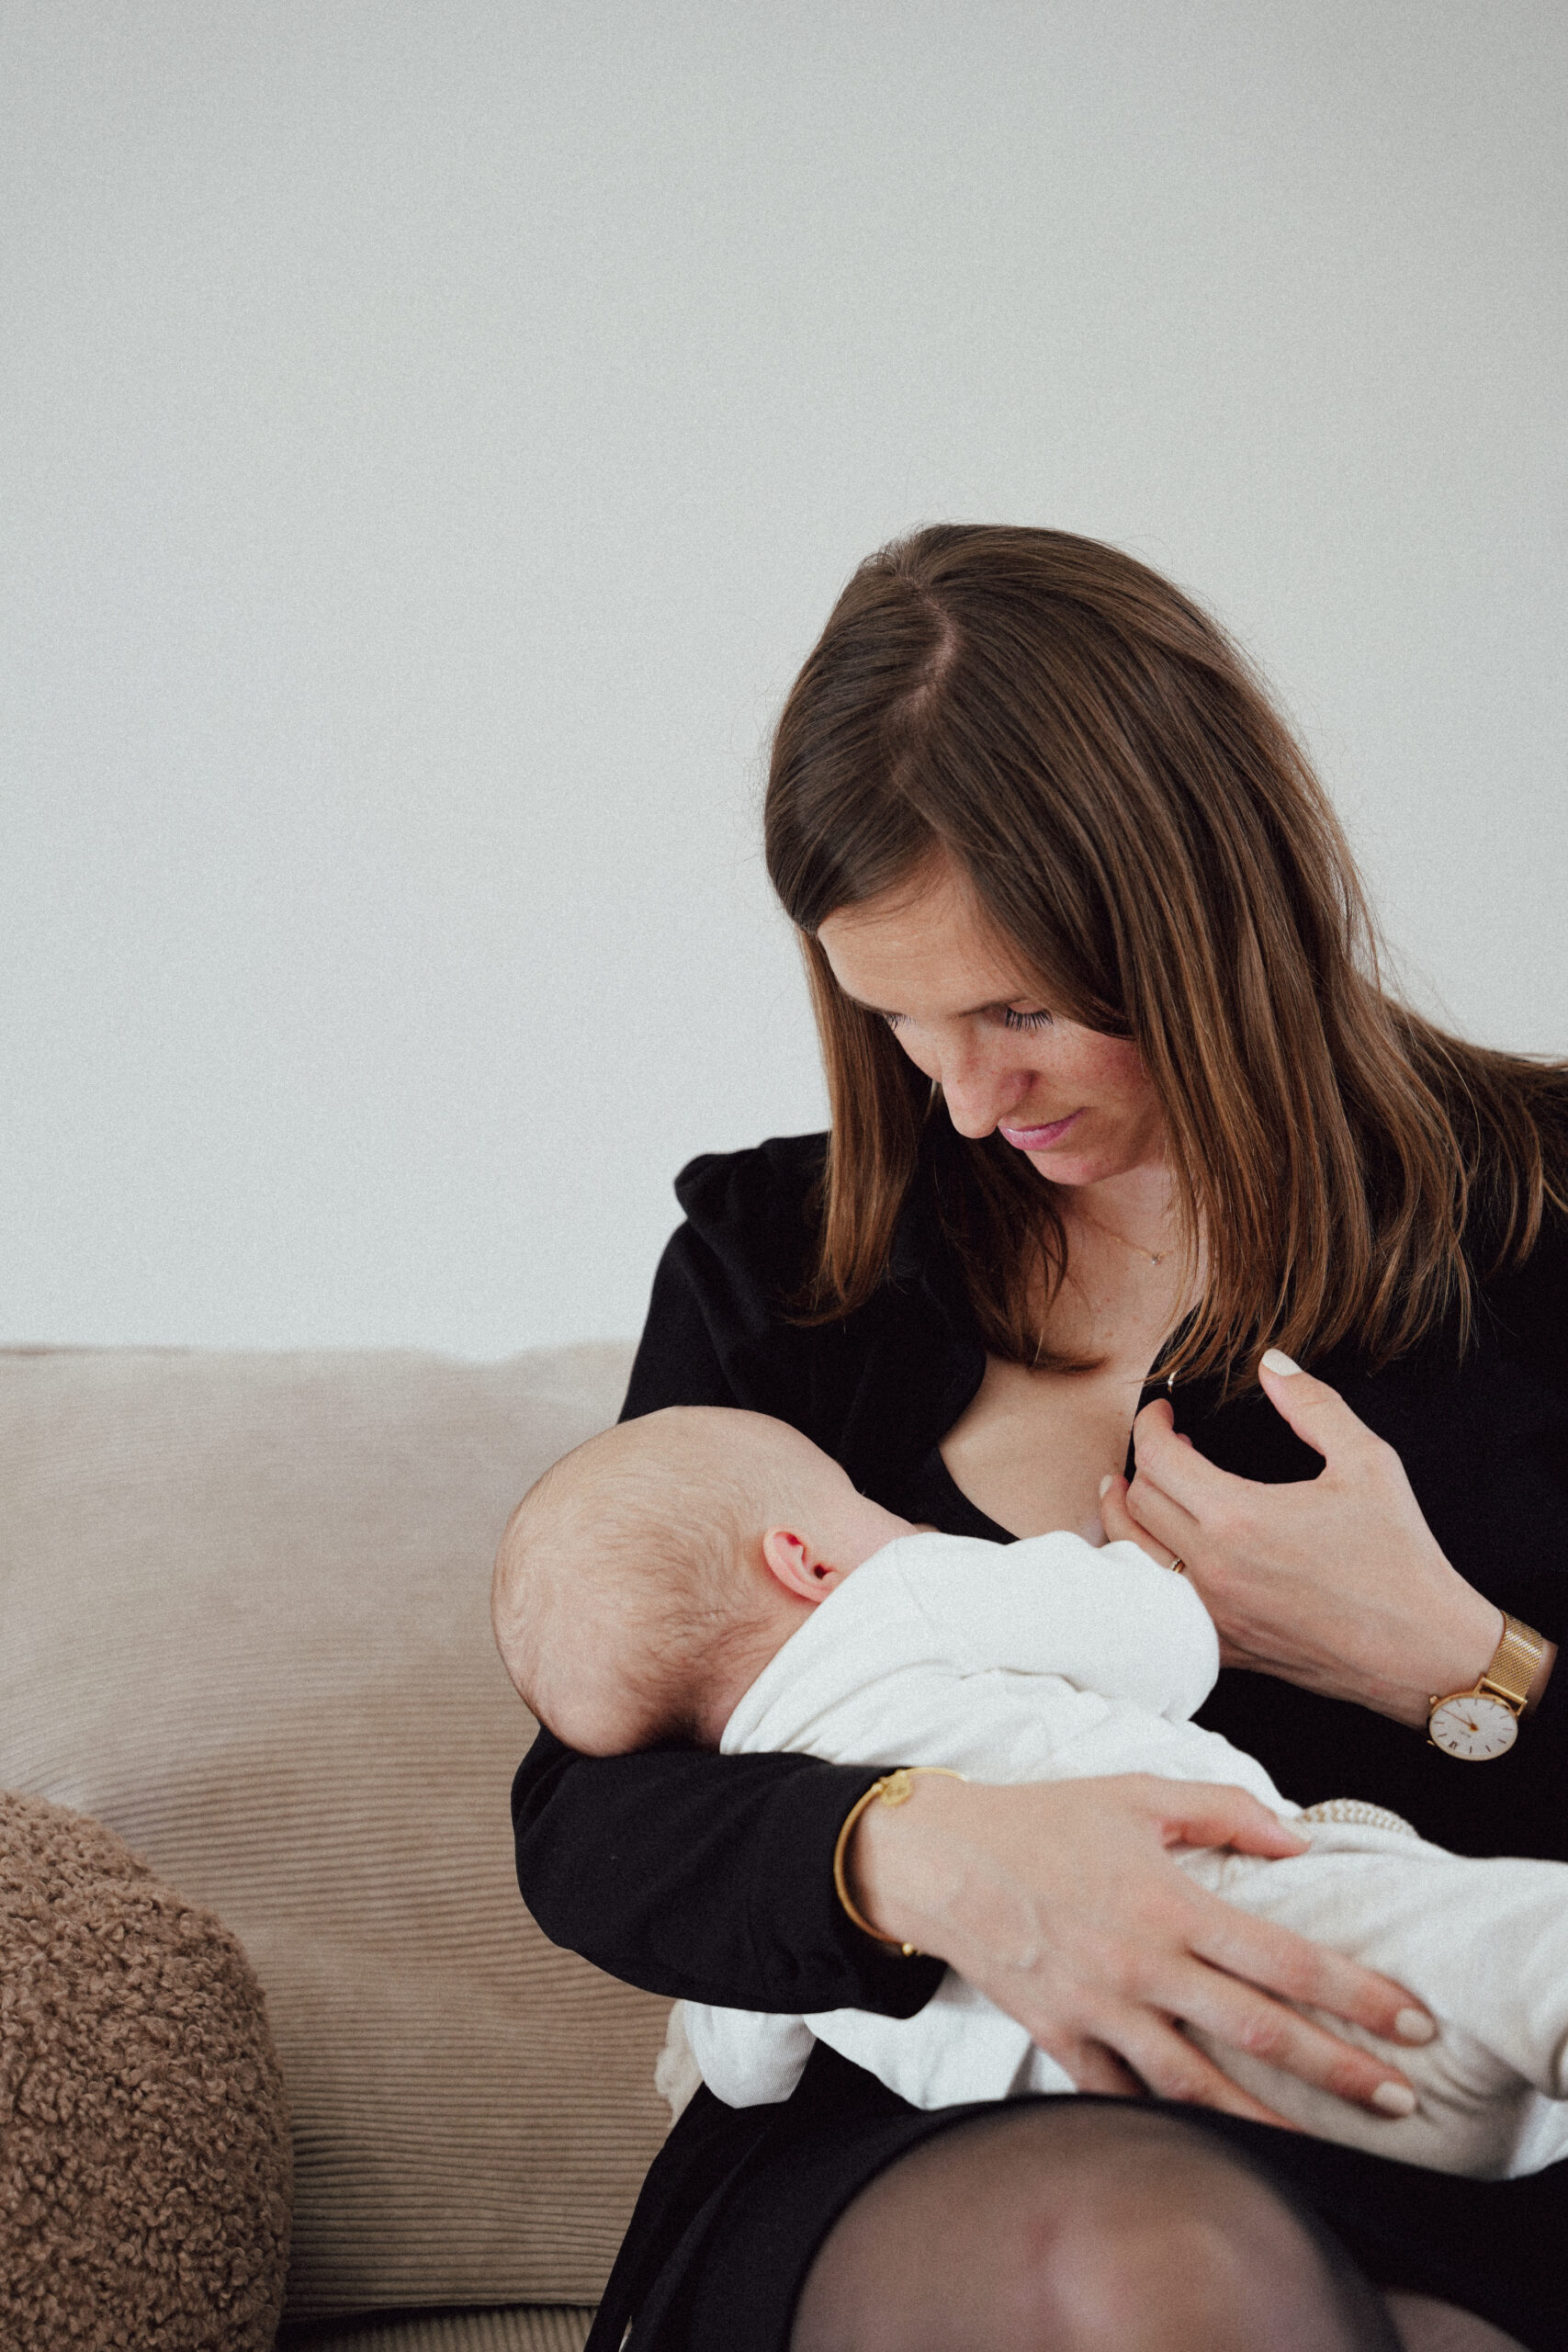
column 1008, row 1014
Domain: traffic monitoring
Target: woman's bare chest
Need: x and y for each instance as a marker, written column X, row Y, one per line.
column 1031, row 1447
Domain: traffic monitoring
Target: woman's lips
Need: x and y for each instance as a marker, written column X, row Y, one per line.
column 1037, row 1139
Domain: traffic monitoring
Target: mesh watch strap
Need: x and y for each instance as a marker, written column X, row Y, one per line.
column 1513, row 1665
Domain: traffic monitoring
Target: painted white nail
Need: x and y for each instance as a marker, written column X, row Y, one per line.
column 1395, row 2098
column 1106, row 1484
column 1414, row 2025
column 1276, row 1359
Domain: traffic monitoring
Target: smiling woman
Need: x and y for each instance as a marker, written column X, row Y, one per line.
column 1077, row 1101
column 1118, row 1104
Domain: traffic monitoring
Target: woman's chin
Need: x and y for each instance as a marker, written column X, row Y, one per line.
column 1074, row 1168
column 1095, row 1160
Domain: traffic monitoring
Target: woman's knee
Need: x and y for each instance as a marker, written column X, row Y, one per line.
column 1066, row 2229
column 1160, row 2236
column 1424, row 2324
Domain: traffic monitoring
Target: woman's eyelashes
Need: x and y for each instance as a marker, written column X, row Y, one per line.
column 1006, row 1013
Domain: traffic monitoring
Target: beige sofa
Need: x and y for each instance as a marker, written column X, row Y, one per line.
column 243, row 1621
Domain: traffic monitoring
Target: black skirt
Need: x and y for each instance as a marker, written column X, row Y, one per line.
column 729, row 2280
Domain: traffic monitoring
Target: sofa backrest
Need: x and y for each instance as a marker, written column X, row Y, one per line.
column 244, row 1619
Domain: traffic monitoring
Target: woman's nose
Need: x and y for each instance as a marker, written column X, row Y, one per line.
column 978, row 1093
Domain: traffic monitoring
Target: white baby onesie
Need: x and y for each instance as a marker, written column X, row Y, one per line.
column 1048, row 1659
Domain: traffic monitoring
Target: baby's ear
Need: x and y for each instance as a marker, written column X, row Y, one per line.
column 791, row 1562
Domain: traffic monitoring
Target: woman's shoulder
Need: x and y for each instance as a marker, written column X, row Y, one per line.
column 750, row 1218
column 730, row 1321
column 722, row 1324
column 766, row 1191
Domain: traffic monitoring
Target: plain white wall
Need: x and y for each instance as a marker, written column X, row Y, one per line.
column 434, row 432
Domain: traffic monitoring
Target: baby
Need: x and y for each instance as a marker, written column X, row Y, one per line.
column 710, row 1574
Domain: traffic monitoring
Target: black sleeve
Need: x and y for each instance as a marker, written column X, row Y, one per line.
column 678, row 1360
column 708, row 1877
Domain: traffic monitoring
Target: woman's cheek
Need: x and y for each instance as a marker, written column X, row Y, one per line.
column 921, row 1052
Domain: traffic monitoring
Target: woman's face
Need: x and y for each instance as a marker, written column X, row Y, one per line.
column 1079, row 1104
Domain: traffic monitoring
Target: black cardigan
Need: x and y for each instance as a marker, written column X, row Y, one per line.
column 710, row 1877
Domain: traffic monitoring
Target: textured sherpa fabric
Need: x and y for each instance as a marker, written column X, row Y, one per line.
column 144, row 2154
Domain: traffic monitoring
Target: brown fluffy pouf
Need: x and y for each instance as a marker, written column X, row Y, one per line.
column 144, row 2157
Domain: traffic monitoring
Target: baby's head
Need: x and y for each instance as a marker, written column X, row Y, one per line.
column 647, row 1580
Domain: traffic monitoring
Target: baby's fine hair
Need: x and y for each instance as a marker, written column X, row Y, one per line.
column 634, row 1541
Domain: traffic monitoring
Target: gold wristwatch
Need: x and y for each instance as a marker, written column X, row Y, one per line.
column 1478, row 1724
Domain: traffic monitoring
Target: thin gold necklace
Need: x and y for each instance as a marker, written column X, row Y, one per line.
column 1155, row 1257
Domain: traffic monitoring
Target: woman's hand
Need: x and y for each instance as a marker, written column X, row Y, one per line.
column 1335, row 1582
column 1061, row 1901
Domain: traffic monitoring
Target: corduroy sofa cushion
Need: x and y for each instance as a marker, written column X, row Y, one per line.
column 244, row 1619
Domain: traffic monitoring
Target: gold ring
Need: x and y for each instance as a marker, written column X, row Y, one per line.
column 1179, row 1566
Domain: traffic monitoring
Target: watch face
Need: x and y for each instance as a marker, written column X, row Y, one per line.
column 1473, row 1727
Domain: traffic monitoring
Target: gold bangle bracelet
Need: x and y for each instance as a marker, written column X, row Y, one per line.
column 894, row 1788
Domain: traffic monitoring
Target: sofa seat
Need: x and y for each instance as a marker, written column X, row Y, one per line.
column 537, row 2327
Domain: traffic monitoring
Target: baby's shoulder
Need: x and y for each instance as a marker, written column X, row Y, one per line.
column 1049, row 1604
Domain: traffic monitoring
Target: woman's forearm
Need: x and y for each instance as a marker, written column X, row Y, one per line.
column 1408, row 1660
column 1455, row 1657
column 705, row 1877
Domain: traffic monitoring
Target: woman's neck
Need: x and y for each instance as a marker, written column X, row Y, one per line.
column 1138, row 1208
column 1129, row 1278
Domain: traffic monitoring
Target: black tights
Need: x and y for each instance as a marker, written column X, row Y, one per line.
column 1062, row 2228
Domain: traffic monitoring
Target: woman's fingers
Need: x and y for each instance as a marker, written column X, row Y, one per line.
column 1177, row 2067
column 1170, row 2067
column 1250, row 1960
column 1258, row 1951
column 1279, row 1962
column 1232, row 2014
column 1211, row 1813
column 1174, row 1473
column 1242, row 1970
column 1235, row 2016
column 1120, row 1527
column 1319, row 1414
column 1094, row 2068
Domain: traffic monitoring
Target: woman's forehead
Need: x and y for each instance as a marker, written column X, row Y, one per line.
column 923, row 948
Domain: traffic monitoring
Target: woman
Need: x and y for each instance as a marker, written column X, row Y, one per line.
column 1117, row 1103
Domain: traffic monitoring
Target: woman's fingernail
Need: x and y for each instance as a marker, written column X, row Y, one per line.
column 1414, row 2025
column 1276, row 1359
column 1106, row 1484
column 1395, row 2098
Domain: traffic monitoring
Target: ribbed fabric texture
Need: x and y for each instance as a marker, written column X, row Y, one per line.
column 558, row 2327
column 245, row 1620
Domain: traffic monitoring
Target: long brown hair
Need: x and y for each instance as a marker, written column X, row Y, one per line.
column 1137, row 824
